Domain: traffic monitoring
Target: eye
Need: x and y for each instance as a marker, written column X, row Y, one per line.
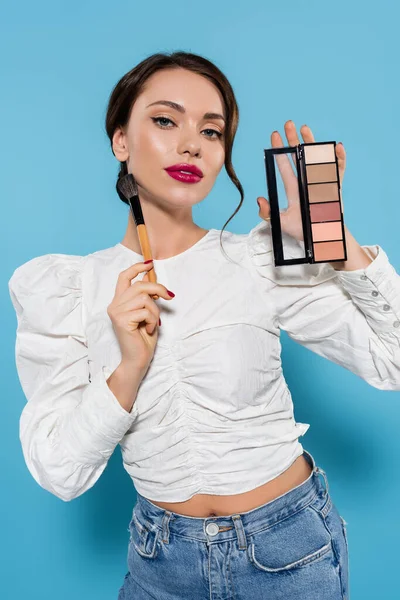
column 217, row 133
column 157, row 119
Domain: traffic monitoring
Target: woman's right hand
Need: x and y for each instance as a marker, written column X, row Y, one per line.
column 135, row 315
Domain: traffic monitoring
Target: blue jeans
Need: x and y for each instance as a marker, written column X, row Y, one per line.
column 291, row 548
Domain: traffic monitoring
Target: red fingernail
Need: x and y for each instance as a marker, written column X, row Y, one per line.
column 159, row 321
column 258, row 204
column 148, row 261
column 171, row 294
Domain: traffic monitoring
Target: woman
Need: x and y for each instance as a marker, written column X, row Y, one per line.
column 229, row 505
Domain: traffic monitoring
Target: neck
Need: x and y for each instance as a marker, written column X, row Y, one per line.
column 166, row 238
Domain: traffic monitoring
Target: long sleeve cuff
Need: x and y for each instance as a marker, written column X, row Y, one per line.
column 94, row 428
column 375, row 289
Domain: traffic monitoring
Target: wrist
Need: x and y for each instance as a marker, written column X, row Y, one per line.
column 357, row 258
column 124, row 383
column 131, row 370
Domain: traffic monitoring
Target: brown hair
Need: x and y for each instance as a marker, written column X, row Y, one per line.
column 129, row 87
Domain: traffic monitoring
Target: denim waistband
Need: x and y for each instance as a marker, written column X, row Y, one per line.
column 227, row 527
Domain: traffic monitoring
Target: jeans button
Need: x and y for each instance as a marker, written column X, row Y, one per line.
column 212, row 529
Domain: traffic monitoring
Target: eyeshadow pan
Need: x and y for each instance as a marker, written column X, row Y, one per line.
column 319, row 153
column 323, row 192
column 323, row 232
column 327, row 251
column 327, row 211
column 321, row 173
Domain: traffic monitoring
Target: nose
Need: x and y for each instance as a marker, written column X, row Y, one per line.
column 190, row 142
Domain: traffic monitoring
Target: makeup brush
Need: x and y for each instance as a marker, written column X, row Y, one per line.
column 127, row 190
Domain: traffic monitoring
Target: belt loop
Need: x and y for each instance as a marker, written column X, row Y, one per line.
column 322, row 472
column 309, row 457
column 165, row 526
column 237, row 521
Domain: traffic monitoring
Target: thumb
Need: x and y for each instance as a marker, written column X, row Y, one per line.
column 265, row 210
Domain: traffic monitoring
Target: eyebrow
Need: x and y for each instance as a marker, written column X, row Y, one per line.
column 181, row 109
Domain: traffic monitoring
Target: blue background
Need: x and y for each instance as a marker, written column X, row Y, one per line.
column 331, row 65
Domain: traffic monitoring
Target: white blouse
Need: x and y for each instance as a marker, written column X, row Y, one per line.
column 213, row 414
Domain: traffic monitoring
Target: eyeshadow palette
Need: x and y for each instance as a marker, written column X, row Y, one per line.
column 308, row 176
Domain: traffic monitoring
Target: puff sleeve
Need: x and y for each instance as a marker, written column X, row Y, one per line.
column 70, row 425
column 349, row 317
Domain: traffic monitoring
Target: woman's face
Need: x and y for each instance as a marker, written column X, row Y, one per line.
column 160, row 136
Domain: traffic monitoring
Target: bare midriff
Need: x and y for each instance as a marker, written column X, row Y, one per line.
column 209, row 505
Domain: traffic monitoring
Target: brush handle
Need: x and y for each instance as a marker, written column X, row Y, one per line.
column 146, row 252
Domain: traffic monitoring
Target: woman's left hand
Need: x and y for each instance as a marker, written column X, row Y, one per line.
column 291, row 222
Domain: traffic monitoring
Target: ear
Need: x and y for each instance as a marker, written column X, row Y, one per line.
column 119, row 145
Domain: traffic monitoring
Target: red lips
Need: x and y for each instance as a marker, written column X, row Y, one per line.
column 186, row 167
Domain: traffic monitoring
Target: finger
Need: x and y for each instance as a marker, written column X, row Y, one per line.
column 146, row 277
column 282, row 160
column 152, row 320
column 289, row 177
column 125, row 277
column 308, row 138
column 292, row 138
column 154, row 290
column 132, row 307
column 137, row 303
column 291, row 133
column 341, row 158
column 133, row 318
column 307, row 134
column 265, row 209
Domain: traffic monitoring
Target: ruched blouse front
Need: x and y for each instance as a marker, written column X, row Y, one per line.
column 213, row 414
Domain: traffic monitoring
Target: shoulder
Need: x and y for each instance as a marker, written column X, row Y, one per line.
column 55, row 283
column 46, row 292
column 254, row 245
column 37, row 274
column 65, row 270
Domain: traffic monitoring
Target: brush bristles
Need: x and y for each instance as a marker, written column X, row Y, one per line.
column 127, row 186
